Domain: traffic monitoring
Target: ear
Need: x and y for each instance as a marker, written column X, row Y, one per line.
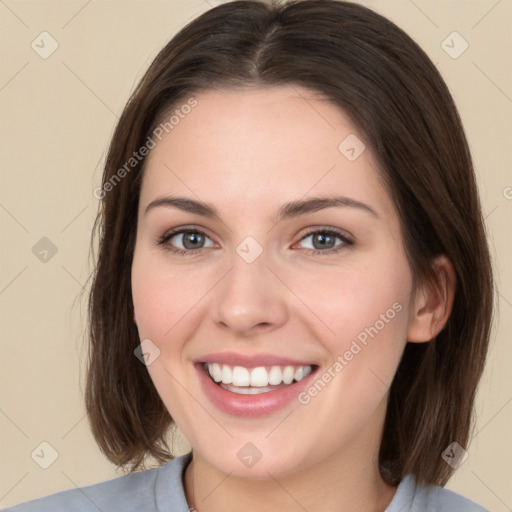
column 433, row 303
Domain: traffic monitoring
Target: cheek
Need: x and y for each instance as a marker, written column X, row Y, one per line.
column 163, row 298
column 367, row 312
column 349, row 298
column 364, row 313
column 165, row 304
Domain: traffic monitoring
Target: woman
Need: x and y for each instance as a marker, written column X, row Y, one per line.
column 292, row 269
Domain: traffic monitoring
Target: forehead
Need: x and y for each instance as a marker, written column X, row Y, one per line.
column 262, row 146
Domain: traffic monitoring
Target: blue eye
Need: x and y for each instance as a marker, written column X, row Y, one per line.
column 194, row 241
column 323, row 241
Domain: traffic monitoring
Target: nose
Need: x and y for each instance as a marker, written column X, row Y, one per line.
column 250, row 299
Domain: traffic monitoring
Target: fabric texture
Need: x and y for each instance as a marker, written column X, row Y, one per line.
column 161, row 490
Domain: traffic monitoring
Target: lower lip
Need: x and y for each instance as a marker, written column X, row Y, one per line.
column 250, row 406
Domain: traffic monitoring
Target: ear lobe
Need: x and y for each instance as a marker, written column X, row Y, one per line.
column 433, row 303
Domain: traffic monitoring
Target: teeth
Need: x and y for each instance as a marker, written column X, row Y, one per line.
column 299, row 373
column 259, row 377
column 248, row 390
column 288, row 374
column 275, row 376
column 216, row 372
column 241, row 376
column 226, row 376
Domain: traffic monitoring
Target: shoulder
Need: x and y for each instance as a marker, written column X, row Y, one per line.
column 131, row 492
column 414, row 496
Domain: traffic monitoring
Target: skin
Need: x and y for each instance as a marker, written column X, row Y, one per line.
column 247, row 152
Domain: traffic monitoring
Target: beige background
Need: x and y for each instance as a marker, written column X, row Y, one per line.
column 57, row 117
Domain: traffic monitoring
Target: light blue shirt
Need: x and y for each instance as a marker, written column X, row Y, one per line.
column 161, row 490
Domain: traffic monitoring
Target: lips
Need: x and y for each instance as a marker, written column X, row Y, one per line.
column 251, row 360
column 252, row 386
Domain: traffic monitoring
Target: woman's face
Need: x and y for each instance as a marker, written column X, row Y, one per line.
column 317, row 293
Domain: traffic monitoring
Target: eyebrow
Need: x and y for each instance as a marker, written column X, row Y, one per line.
column 287, row 211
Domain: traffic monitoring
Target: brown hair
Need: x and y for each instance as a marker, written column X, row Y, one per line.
column 384, row 81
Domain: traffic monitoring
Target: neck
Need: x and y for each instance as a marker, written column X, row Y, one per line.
column 344, row 481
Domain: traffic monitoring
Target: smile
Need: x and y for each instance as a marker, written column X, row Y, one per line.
column 252, row 381
column 252, row 386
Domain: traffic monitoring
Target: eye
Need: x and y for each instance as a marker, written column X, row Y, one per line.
column 323, row 241
column 186, row 241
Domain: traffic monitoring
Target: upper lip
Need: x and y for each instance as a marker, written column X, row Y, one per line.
column 251, row 361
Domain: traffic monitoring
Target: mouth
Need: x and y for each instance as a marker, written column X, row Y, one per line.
column 254, row 381
column 249, row 388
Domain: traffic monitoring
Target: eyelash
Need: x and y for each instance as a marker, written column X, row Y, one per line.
column 163, row 241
